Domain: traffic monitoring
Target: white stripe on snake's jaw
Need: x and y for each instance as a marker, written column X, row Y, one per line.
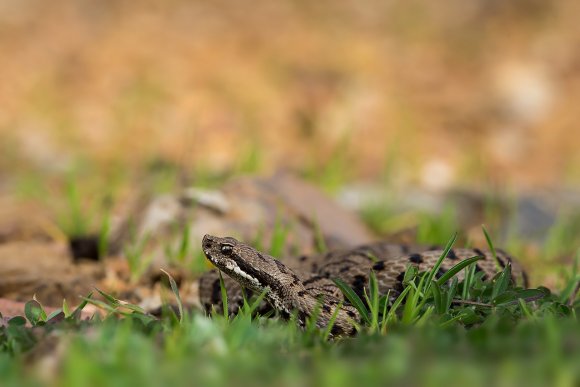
column 235, row 268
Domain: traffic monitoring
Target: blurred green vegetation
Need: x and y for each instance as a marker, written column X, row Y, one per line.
column 268, row 352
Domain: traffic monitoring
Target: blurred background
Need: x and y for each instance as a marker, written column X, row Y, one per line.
column 102, row 100
column 438, row 94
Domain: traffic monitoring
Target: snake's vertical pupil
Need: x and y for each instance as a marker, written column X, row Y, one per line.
column 226, row 249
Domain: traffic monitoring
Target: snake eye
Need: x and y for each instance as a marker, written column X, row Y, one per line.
column 226, row 249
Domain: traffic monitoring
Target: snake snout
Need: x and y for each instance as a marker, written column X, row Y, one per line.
column 207, row 243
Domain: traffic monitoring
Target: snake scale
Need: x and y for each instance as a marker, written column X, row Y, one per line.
column 305, row 285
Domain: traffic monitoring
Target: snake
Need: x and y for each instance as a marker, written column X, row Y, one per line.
column 305, row 286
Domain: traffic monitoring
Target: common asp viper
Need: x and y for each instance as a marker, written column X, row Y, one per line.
column 305, row 285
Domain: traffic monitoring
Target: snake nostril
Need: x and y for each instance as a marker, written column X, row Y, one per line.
column 206, row 242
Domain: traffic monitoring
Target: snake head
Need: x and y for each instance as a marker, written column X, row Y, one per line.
column 241, row 262
column 219, row 251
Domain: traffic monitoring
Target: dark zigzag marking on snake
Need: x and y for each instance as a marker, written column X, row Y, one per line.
column 416, row 258
column 261, row 257
column 216, row 292
column 281, row 266
column 313, row 279
column 379, row 266
column 507, row 257
column 399, row 286
column 451, row 255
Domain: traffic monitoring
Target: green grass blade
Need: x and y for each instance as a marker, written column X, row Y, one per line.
column 175, row 291
column 450, row 321
column 105, row 306
column 132, row 307
column 331, row 322
column 384, row 320
column 451, row 292
column 468, row 281
column 224, row 296
column 258, row 301
column 311, row 321
column 456, row 269
column 110, row 299
column 410, row 308
column 372, row 298
column 502, row 282
column 421, row 321
column 491, row 247
column 354, row 299
column 437, row 298
column 512, row 297
column 570, row 291
column 435, row 268
column 66, row 308
column 525, row 309
column 76, row 314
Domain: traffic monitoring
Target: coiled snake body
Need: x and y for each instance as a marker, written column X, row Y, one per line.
column 308, row 288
